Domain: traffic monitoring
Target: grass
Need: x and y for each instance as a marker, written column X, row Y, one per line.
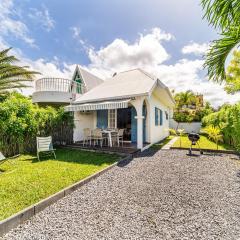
column 204, row 143
column 159, row 145
column 28, row 181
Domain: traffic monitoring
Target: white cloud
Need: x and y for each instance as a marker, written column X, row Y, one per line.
column 75, row 31
column 195, row 48
column 186, row 74
column 120, row 55
column 10, row 25
column 148, row 53
column 76, row 34
column 42, row 17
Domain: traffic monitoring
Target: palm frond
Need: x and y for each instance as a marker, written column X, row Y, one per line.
column 217, row 54
column 13, row 76
column 222, row 13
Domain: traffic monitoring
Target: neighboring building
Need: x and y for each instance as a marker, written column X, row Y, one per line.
column 134, row 100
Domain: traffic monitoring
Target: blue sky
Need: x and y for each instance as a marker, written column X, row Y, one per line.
column 167, row 38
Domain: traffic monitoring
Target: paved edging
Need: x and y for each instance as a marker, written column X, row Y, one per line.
column 170, row 143
column 207, row 150
column 13, row 221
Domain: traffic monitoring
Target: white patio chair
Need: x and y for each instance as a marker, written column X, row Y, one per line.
column 3, row 159
column 87, row 136
column 98, row 136
column 120, row 136
column 114, row 136
column 44, row 145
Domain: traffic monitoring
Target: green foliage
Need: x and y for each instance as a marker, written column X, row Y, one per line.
column 223, row 15
column 159, row 145
column 190, row 107
column 183, row 116
column 12, row 76
column 21, row 121
column 184, row 99
column 228, row 121
column 204, row 143
column 233, row 74
column 214, row 133
column 172, row 131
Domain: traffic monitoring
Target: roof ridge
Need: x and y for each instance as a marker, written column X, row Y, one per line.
column 82, row 69
column 153, row 77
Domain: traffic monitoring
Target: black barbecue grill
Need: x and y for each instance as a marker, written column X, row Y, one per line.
column 194, row 138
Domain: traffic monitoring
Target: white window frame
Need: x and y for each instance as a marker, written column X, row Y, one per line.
column 112, row 113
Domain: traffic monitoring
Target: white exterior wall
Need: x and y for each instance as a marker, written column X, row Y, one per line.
column 81, row 121
column 188, row 127
column 157, row 133
column 153, row 133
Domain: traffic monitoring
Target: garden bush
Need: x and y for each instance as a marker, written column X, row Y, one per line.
column 227, row 119
column 21, row 121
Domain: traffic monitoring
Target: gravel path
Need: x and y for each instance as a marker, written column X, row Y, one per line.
column 166, row 195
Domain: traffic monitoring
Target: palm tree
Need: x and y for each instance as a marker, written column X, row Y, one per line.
column 185, row 98
column 13, row 76
column 223, row 15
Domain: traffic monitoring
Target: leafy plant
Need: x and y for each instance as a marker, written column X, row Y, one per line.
column 190, row 107
column 180, row 133
column 21, row 121
column 214, row 133
column 13, row 76
column 172, row 131
column 233, row 74
column 223, row 15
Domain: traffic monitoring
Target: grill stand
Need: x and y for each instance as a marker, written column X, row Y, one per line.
column 190, row 149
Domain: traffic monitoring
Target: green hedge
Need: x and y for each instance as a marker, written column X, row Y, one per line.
column 228, row 120
column 21, row 121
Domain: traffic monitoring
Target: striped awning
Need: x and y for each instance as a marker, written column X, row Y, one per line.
column 98, row 106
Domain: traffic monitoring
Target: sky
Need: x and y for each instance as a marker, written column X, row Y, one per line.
column 166, row 38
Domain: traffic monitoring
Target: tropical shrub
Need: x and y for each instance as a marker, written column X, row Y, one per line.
column 228, row 121
column 21, row 121
column 214, row 133
column 190, row 107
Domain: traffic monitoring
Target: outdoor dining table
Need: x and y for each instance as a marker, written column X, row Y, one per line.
column 109, row 133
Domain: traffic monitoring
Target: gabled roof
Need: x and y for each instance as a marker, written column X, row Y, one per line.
column 124, row 85
column 90, row 80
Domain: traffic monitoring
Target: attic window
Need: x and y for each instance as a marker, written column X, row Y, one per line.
column 78, row 78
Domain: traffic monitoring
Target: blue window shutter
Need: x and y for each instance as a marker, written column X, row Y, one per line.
column 133, row 125
column 161, row 117
column 102, row 119
column 156, row 116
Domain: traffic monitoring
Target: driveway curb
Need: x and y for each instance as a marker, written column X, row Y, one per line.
column 208, row 150
column 13, row 221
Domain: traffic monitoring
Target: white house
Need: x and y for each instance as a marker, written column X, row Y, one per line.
column 133, row 100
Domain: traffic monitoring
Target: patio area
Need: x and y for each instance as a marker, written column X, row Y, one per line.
column 158, row 195
column 125, row 148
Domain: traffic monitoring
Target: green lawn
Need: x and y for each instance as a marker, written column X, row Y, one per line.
column 28, row 181
column 204, row 143
column 159, row 145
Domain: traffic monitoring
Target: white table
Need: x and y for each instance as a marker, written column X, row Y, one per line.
column 109, row 133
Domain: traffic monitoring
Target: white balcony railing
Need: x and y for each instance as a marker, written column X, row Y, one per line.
column 58, row 85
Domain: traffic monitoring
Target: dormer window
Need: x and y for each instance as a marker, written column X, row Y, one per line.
column 78, row 79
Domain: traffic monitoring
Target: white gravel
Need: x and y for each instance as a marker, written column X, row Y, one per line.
column 166, row 195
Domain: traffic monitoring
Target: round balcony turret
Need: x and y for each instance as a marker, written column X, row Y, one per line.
column 56, row 91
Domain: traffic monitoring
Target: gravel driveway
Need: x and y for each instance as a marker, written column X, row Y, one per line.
column 166, row 195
